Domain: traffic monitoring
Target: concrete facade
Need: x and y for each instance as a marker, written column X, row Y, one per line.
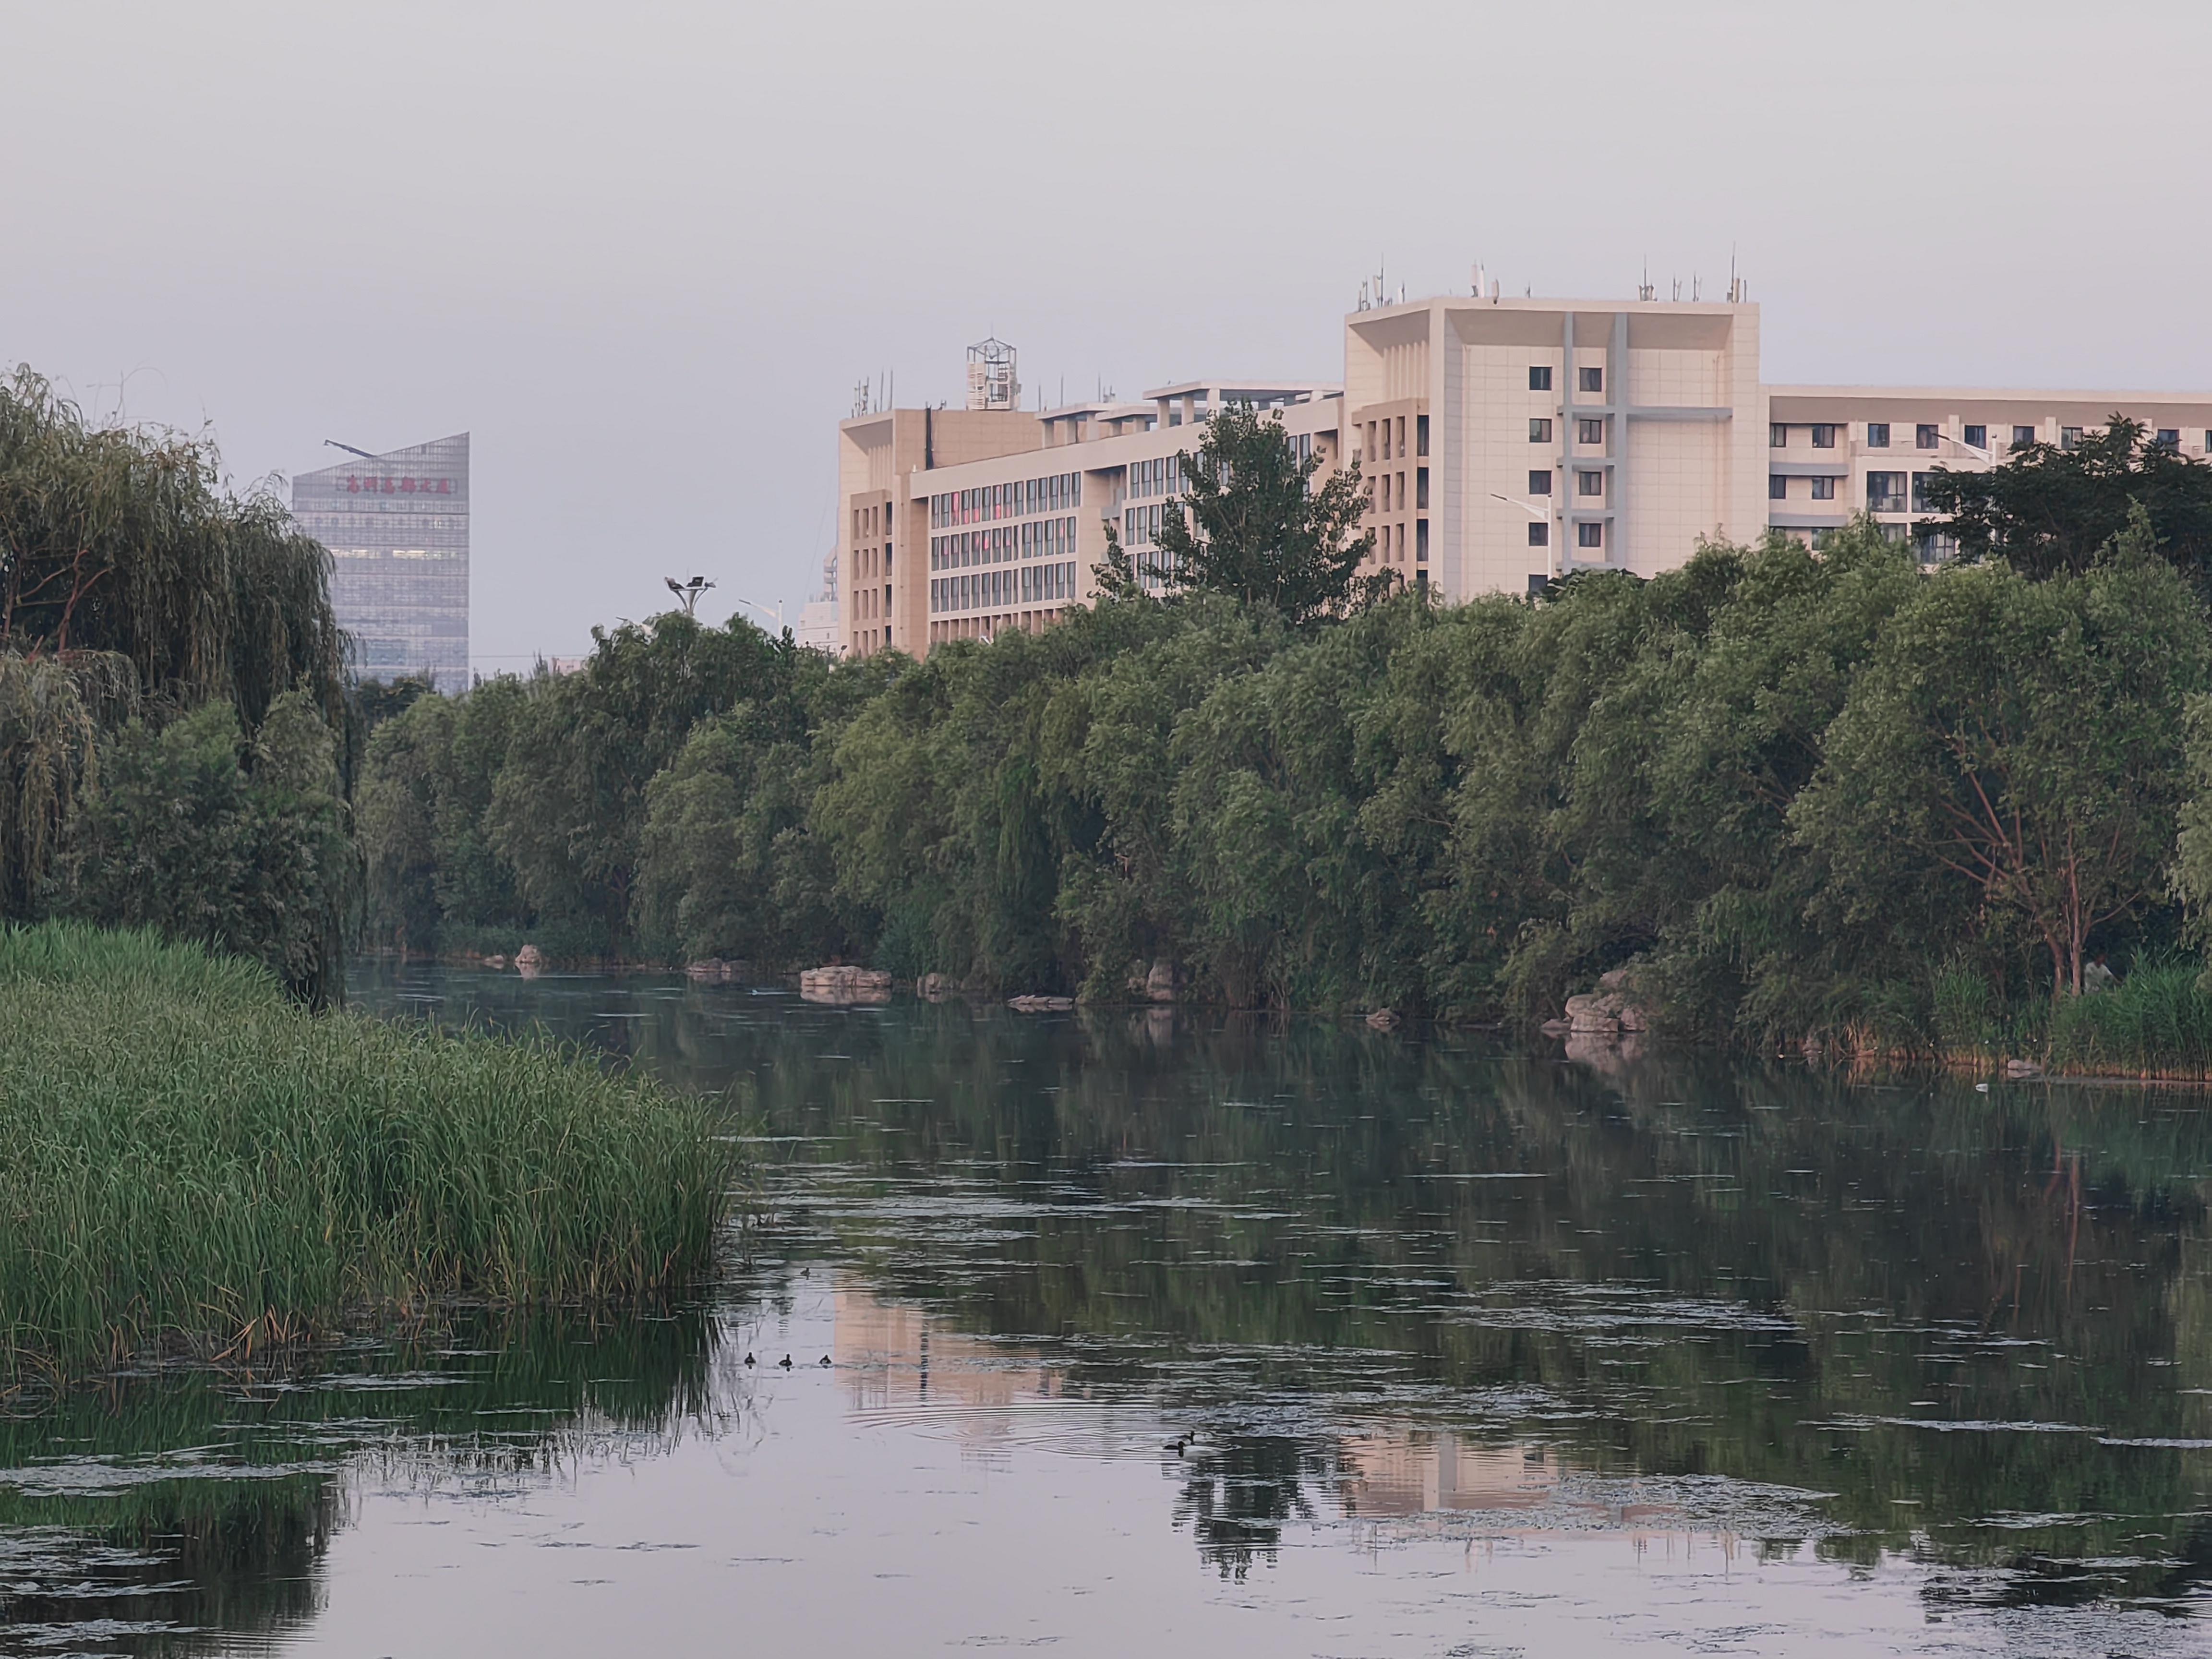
column 1505, row 443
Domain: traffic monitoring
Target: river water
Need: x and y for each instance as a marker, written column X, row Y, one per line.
column 1177, row 1335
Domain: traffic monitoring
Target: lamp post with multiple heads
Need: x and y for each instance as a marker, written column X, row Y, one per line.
column 689, row 591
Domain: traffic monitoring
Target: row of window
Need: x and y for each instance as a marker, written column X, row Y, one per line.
column 1161, row 476
column 996, row 590
column 1017, row 500
column 1386, row 438
column 1005, row 543
column 1824, row 489
column 1590, row 535
column 1140, row 525
column 1586, row 483
column 1385, row 496
column 1587, row 378
column 1927, row 435
column 1885, row 491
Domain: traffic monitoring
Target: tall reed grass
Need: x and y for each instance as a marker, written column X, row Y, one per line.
column 187, row 1155
column 2156, row 1022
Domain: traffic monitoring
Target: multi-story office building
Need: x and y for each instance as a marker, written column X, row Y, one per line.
column 397, row 526
column 1505, row 443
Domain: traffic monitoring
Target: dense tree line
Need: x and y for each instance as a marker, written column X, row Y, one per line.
column 1796, row 789
column 174, row 731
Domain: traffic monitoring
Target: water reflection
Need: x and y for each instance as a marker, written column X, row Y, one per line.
column 1314, row 1285
column 173, row 1514
column 1979, row 1321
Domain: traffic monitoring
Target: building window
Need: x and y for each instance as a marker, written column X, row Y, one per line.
column 1421, row 489
column 1540, row 534
column 2068, row 436
column 1540, row 484
column 1778, row 436
column 2022, row 436
column 1591, row 379
column 1824, row 489
column 1920, row 492
column 1401, row 435
column 1589, row 483
column 1539, row 379
column 1540, row 431
column 1936, row 546
column 1421, row 434
column 2168, row 438
column 1885, row 492
column 1923, row 437
column 1420, row 541
column 1777, row 487
column 1877, row 434
column 1591, row 433
column 1977, row 437
column 1824, row 437
column 1589, row 535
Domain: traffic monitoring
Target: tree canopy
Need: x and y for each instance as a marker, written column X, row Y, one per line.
column 1793, row 789
column 1252, row 525
column 2049, row 507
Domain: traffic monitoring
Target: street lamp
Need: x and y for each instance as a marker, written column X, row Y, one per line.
column 689, row 591
column 776, row 614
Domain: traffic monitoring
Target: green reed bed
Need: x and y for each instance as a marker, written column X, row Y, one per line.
column 186, row 1156
column 2156, row 1022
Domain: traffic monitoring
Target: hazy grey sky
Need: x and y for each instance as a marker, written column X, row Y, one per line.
column 643, row 250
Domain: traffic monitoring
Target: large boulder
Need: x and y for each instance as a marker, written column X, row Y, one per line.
column 1611, row 1010
column 1160, row 981
column 844, row 985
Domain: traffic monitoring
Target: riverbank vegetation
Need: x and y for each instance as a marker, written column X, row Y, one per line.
column 190, row 1158
column 1833, row 792
column 175, row 740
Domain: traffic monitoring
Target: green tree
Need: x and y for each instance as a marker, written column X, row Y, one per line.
column 2049, row 509
column 240, row 843
column 2022, row 740
column 1251, row 523
column 433, row 878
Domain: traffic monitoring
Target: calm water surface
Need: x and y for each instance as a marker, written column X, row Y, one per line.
column 1168, row 1335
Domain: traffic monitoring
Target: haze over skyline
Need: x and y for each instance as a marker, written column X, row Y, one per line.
column 643, row 255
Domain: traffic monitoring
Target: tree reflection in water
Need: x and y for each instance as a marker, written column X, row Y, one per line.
column 1237, row 1493
column 173, row 1514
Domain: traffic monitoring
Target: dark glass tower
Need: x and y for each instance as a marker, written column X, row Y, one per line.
column 398, row 529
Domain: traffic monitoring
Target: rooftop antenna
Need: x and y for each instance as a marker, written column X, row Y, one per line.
column 689, row 591
column 332, row 443
column 1678, row 290
column 1363, row 293
column 1643, row 289
column 860, row 398
column 1696, row 284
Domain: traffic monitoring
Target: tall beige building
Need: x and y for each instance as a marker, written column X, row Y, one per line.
column 1505, row 443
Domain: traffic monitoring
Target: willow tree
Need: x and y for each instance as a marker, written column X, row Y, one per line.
column 134, row 588
column 123, row 540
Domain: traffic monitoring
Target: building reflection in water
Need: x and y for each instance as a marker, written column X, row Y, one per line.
column 1238, row 1488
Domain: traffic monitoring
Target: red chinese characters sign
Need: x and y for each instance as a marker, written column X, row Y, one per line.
column 359, row 483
